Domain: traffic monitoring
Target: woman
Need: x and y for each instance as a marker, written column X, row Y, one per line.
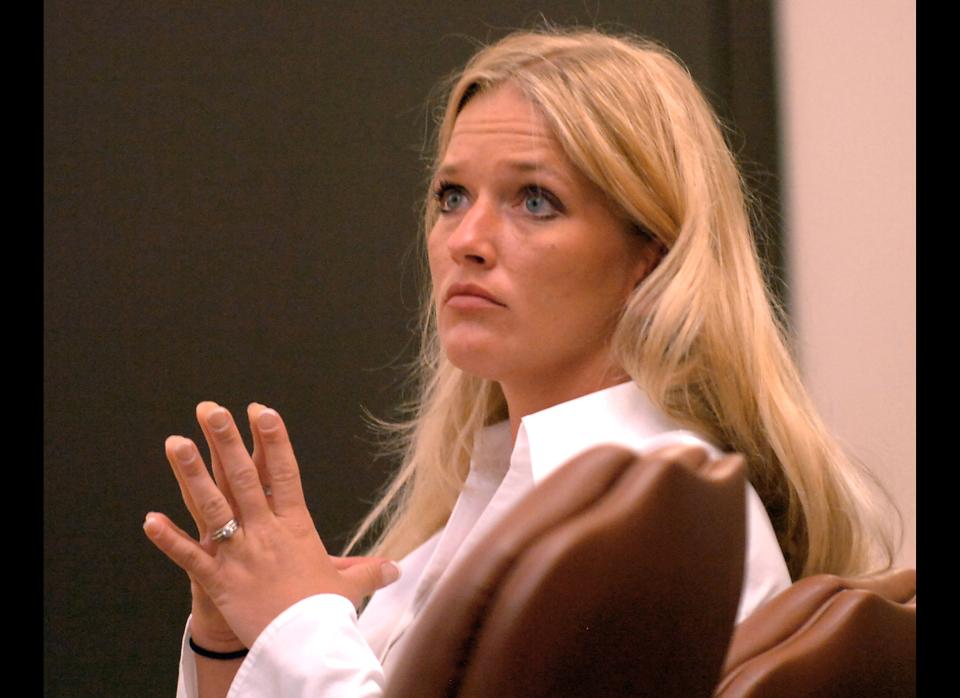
column 593, row 280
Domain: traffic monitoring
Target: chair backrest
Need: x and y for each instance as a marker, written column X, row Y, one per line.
column 828, row 636
column 618, row 575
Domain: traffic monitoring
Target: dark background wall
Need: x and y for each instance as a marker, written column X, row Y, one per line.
column 230, row 195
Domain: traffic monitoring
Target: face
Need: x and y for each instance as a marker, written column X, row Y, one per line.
column 531, row 265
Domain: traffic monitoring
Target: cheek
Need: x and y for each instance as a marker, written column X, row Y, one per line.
column 576, row 293
column 438, row 263
column 565, row 277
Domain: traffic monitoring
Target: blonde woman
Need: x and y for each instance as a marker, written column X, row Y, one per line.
column 593, row 280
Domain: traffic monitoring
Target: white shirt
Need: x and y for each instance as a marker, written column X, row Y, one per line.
column 318, row 647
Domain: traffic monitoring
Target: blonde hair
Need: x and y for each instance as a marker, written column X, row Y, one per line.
column 700, row 335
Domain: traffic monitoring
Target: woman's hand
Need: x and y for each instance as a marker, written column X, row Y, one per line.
column 207, row 625
column 276, row 558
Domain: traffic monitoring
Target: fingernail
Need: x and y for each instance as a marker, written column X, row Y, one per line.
column 218, row 419
column 268, row 420
column 184, row 452
column 151, row 526
column 390, row 572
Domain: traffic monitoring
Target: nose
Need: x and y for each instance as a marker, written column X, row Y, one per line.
column 473, row 241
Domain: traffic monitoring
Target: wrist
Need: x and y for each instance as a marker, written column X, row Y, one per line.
column 208, row 653
column 214, row 640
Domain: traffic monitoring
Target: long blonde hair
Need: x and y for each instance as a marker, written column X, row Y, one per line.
column 700, row 335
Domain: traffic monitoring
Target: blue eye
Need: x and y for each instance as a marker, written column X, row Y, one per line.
column 537, row 201
column 540, row 203
column 453, row 200
column 449, row 197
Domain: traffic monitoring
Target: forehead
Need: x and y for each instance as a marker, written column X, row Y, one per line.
column 503, row 127
column 502, row 106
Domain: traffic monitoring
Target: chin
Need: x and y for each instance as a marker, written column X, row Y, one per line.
column 483, row 359
column 476, row 365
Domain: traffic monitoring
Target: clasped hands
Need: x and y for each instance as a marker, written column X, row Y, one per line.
column 276, row 558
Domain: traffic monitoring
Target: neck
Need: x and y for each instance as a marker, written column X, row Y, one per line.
column 534, row 396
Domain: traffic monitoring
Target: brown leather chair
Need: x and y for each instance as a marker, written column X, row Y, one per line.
column 617, row 576
column 620, row 575
column 828, row 636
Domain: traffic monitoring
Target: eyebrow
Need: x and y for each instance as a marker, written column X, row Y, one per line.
column 516, row 165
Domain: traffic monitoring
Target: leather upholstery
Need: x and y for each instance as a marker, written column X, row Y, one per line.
column 618, row 575
column 828, row 636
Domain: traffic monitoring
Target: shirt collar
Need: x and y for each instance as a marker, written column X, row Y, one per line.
column 623, row 415
column 491, row 449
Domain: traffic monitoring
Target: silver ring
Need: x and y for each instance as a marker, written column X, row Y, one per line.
column 226, row 531
column 267, row 491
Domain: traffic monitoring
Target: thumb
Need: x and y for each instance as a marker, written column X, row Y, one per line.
column 368, row 576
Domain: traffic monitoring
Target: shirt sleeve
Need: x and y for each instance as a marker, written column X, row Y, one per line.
column 314, row 648
column 765, row 571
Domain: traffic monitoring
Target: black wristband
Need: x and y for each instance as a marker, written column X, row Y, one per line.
column 209, row 654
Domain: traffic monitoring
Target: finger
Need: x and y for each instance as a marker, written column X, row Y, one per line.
column 212, row 507
column 342, row 563
column 168, row 523
column 253, row 410
column 239, row 469
column 345, row 563
column 180, row 548
column 216, row 464
column 184, row 491
column 281, row 464
column 365, row 578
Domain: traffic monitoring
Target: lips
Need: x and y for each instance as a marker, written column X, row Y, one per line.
column 471, row 295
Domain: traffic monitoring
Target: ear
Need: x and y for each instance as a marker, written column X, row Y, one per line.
column 649, row 252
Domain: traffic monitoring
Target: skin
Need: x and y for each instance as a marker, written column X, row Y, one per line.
column 544, row 242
